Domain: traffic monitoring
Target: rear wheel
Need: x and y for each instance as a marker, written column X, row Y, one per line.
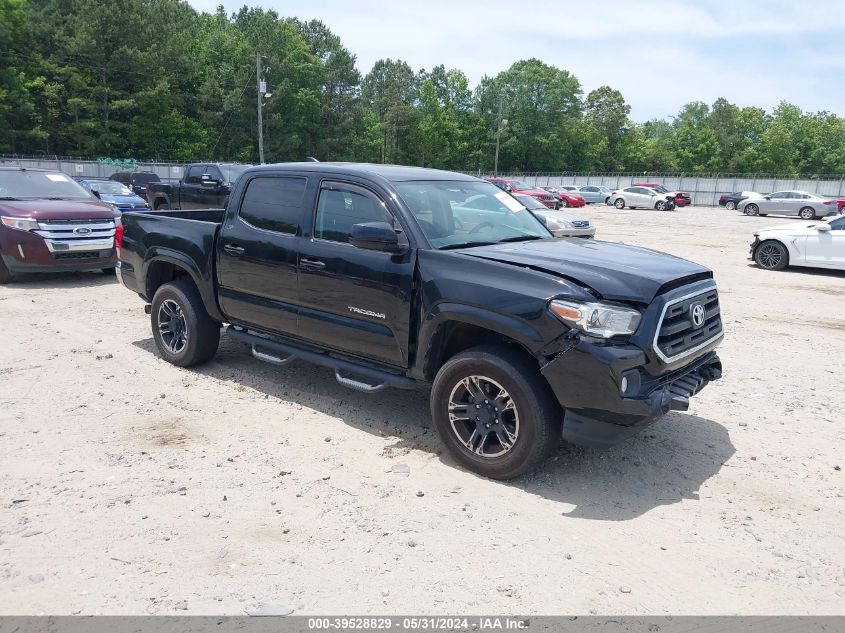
column 807, row 213
column 6, row 277
column 752, row 209
column 494, row 412
column 771, row 255
column 184, row 333
column 619, row 204
column 730, row 205
column 607, row 200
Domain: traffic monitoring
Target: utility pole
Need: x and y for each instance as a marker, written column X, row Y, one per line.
column 260, row 86
column 500, row 123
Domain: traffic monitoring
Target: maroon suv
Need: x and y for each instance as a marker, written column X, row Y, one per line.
column 49, row 223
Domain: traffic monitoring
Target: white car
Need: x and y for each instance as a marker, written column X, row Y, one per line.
column 816, row 244
column 643, row 197
column 561, row 224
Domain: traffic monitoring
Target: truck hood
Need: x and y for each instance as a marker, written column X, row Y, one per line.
column 615, row 271
column 57, row 209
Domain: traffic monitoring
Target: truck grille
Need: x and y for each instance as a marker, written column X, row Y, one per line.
column 680, row 334
column 580, row 224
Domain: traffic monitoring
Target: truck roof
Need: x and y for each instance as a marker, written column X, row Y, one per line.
column 392, row 173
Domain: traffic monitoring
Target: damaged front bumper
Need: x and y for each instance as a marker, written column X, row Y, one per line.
column 608, row 396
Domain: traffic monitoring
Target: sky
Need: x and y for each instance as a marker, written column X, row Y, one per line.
column 660, row 54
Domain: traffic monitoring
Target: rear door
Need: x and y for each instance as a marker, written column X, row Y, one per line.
column 352, row 299
column 209, row 195
column 257, row 253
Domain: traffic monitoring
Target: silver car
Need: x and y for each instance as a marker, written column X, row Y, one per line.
column 807, row 206
column 642, row 198
column 561, row 224
column 595, row 194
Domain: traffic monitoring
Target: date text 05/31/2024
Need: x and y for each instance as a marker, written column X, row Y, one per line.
column 420, row 623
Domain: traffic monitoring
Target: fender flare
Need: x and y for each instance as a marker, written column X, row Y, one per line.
column 447, row 312
column 204, row 283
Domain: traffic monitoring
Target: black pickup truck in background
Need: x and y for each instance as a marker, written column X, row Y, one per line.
column 203, row 185
column 405, row 277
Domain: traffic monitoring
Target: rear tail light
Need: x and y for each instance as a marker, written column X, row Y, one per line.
column 118, row 239
column 828, row 202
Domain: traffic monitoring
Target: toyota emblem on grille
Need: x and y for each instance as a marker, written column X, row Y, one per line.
column 82, row 230
column 696, row 315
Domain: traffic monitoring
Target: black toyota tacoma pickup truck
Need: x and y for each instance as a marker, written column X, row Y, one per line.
column 404, row 277
column 203, row 185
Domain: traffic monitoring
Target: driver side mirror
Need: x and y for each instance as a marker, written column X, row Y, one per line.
column 96, row 193
column 542, row 219
column 823, row 228
column 208, row 181
column 377, row 236
column 767, row 197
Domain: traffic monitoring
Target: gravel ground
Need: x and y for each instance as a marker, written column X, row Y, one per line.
column 129, row 486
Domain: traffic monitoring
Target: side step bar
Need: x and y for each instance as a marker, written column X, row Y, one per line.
column 281, row 354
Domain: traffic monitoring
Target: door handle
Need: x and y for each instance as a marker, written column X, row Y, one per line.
column 311, row 264
column 233, row 250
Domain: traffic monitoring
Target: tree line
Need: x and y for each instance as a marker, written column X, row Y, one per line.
column 155, row 79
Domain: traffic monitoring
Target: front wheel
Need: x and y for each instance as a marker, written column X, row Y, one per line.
column 619, row 204
column 730, row 205
column 183, row 331
column 752, row 209
column 771, row 255
column 6, row 276
column 661, row 205
column 807, row 213
column 494, row 412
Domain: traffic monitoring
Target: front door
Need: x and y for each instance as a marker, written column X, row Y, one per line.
column 826, row 249
column 353, row 299
column 209, row 195
column 257, row 253
column 191, row 188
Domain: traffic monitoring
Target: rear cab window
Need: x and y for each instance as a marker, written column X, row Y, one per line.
column 274, row 203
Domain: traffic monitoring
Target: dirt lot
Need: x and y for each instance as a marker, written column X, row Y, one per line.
column 131, row 486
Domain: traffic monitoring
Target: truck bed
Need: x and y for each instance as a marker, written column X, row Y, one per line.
column 183, row 237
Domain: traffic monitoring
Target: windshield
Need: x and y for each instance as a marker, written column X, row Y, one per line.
column 660, row 189
column 143, row 178
column 34, row 185
column 231, row 172
column 456, row 214
column 530, row 203
column 108, row 187
column 519, row 185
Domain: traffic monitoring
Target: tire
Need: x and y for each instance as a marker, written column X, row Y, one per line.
column 752, row 209
column 619, row 203
column 531, row 426
column 607, row 200
column 193, row 336
column 661, row 205
column 6, row 277
column 730, row 205
column 807, row 213
column 771, row 255
column 162, row 206
column 565, row 203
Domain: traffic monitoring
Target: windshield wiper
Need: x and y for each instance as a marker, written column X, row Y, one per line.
column 521, row 238
column 465, row 245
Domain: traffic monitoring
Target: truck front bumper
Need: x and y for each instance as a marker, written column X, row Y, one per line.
column 608, row 396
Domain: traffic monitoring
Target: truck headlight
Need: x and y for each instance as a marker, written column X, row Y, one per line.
column 21, row 224
column 597, row 319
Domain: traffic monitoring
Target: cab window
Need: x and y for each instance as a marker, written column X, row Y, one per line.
column 338, row 210
column 273, row 203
